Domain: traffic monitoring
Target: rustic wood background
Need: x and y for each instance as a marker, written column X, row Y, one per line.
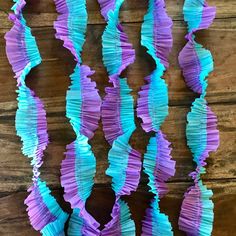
column 50, row 81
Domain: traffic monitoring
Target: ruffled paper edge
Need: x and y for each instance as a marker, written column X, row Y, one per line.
column 156, row 36
column 83, row 102
column 71, row 25
column 201, row 131
column 21, row 48
column 158, row 164
column 196, row 216
column 196, row 64
column 155, row 222
column 118, row 111
column 44, row 212
column 152, row 105
column 156, row 33
column 198, row 15
column 77, row 172
column 115, row 46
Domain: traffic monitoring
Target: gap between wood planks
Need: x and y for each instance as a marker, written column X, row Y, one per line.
column 143, row 187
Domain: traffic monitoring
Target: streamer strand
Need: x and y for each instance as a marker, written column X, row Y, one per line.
column 83, row 110
column 196, row 217
column 156, row 36
column 118, row 119
column 44, row 212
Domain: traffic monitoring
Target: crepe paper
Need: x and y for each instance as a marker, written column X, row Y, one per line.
column 156, row 36
column 117, row 111
column 158, row 164
column 159, row 167
column 83, row 110
column 118, row 119
column 82, row 223
column 31, row 125
column 156, row 223
column 71, row 25
column 44, row 212
column 119, row 225
column 109, row 5
column 196, row 216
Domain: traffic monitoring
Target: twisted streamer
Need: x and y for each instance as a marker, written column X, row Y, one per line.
column 118, row 119
column 83, row 110
column 156, row 36
column 196, row 217
column 44, row 212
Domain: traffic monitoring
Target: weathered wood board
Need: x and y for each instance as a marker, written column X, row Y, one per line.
column 100, row 205
column 50, row 82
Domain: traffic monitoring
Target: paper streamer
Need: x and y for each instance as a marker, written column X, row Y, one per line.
column 156, row 36
column 196, row 217
column 118, row 119
column 83, row 110
column 44, row 212
column 78, row 168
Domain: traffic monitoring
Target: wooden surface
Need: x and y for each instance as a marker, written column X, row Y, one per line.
column 50, row 81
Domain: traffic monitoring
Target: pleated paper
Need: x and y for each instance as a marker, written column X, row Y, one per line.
column 156, row 36
column 118, row 119
column 44, row 212
column 83, row 111
column 196, row 217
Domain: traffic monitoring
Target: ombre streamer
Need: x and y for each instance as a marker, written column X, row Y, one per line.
column 196, row 217
column 83, row 110
column 44, row 212
column 118, row 119
column 156, row 36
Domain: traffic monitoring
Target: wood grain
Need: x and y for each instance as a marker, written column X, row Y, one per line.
column 15, row 222
column 42, row 12
column 51, row 79
column 220, row 163
column 222, row 85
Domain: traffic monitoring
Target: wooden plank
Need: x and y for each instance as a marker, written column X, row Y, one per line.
column 16, row 171
column 42, row 13
column 50, row 81
column 219, row 39
column 14, row 221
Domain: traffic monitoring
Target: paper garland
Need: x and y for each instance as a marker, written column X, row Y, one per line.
column 196, row 217
column 45, row 214
column 118, row 118
column 83, row 110
column 156, row 36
